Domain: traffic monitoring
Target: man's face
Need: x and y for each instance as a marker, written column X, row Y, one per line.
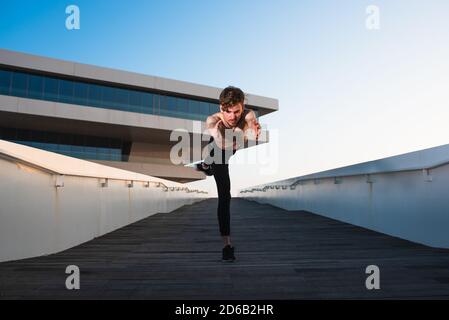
column 233, row 114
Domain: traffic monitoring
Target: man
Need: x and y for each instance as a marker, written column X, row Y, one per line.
column 225, row 127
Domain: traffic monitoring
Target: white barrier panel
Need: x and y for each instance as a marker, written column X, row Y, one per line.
column 409, row 202
column 43, row 211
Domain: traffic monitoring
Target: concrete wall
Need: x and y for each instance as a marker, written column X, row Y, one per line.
column 409, row 204
column 43, row 211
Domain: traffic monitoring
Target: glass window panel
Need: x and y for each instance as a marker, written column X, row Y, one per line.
column 116, row 151
column 194, row 107
column 35, row 86
column 171, row 106
column 182, row 107
column 76, row 148
column 51, row 87
column 103, row 150
column 64, row 147
column 91, row 153
column 5, row 81
column 26, row 143
column 163, row 111
column 80, row 91
column 122, row 99
column 116, row 157
column 90, row 149
column 51, row 146
column 66, row 91
column 103, row 154
column 147, row 102
column 204, row 108
column 19, row 84
column 213, row 108
column 135, row 100
column 79, row 154
column 108, row 97
column 94, row 95
column 40, row 145
column 158, row 103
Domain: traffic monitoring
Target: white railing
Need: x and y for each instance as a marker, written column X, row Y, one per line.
column 404, row 196
column 50, row 202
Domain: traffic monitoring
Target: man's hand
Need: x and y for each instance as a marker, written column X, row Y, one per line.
column 219, row 125
column 253, row 126
column 216, row 130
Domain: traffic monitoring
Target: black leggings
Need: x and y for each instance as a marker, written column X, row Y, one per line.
column 221, row 175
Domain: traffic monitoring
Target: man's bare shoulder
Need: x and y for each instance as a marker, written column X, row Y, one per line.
column 212, row 119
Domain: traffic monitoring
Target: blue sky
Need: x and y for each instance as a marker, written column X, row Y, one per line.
column 346, row 94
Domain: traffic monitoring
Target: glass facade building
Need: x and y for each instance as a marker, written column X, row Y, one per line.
column 112, row 117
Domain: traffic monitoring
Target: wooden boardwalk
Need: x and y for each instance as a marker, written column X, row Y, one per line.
column 281, row 255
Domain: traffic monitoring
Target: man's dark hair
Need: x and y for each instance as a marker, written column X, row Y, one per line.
column 231, row 96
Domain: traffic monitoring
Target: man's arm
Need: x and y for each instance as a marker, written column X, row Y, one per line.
column 215, row 127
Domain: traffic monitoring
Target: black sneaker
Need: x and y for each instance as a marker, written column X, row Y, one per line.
column 228, row 254
column 206, row 168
